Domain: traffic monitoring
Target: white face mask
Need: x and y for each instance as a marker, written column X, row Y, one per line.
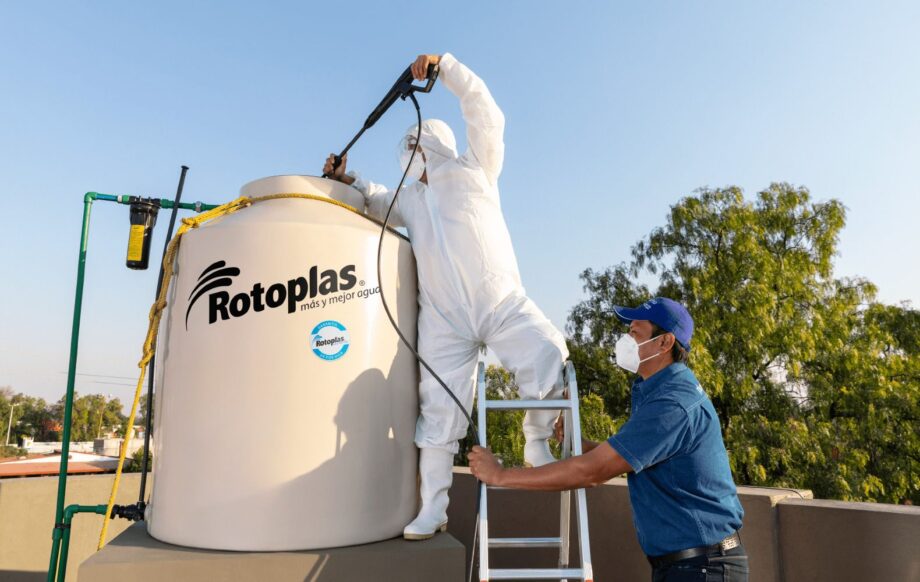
column 416, row 169
column 627, row 352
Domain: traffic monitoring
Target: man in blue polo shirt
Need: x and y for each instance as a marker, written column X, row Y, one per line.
column 685, row 505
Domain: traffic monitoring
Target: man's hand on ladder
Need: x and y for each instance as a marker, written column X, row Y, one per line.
column 485, row 465
column 559, row 429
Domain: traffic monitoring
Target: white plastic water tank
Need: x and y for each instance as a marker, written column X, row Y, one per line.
column 285, row 404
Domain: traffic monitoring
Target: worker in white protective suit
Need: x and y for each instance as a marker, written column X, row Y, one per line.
column 470, row 292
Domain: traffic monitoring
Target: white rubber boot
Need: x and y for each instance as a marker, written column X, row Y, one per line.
column 436, row 469
column 538, row 427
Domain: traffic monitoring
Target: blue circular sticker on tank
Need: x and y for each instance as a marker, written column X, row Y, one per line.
column 329, row 340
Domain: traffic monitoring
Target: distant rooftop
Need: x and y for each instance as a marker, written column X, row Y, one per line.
column 37, row 465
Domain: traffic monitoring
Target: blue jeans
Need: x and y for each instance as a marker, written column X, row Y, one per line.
column 714, row 567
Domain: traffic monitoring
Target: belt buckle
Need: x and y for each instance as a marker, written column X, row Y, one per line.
column 730, row 542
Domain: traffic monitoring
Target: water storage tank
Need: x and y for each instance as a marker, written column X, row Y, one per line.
column 285, row 405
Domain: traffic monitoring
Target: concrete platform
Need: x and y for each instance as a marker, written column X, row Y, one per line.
column 136, row 556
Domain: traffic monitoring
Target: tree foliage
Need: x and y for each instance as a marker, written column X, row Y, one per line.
column 135, row 463
column 93, row 415
column 31, row 416
column 816, row 383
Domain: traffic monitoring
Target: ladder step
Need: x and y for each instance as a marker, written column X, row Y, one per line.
column 527, row 404
column 525, row 542
column 535, row 573
column 500, row 488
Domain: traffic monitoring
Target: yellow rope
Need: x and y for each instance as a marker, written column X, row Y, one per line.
column 156, row 311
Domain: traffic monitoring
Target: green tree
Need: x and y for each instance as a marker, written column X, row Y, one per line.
column 135, row 462
column 35, row 418
column 815, row 382
column 141, row 417
column 92, row 415
column 31, row 416
column 7, row 399
column 506, row 438
column 593, row 331
column 864, row 403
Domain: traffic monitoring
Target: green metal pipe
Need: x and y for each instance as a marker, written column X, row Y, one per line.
column 60, row 537
column 57, row 536
column 196, row 206
column 163, row 202
column 69, row 514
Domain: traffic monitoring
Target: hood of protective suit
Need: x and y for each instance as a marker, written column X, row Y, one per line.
column 437, row 141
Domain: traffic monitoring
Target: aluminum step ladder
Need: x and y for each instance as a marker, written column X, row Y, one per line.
column 571, row 446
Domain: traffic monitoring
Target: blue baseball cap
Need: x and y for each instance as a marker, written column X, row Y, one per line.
column 667, row 314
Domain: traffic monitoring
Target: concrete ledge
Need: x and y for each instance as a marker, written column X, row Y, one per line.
column 759, row 532
column 614, row 547
column 27, row 520
column 789, row 539
column 136, row 556
column 844, row 542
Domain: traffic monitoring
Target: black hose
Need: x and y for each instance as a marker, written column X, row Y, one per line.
column 148, row 426
column 386, row 307
column 383, row 229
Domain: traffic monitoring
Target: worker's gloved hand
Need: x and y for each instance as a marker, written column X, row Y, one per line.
column 420, row 66
column 337, row 173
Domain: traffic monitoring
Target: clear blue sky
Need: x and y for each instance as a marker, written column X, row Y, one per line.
column 613, row 114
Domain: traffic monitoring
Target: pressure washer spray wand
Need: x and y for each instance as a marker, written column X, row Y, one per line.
column 402, row 88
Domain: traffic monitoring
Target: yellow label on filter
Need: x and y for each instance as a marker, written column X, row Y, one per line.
column 136, row 242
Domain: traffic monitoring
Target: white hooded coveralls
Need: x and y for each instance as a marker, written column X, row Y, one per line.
column 470, row 291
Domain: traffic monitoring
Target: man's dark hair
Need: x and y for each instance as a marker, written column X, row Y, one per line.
column 678, row 353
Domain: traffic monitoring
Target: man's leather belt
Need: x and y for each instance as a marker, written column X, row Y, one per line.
column 732, row 541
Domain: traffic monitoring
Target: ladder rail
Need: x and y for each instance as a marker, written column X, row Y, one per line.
column 584, row 546
column 565, row 499
column 571, row 446
column 483, row 489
